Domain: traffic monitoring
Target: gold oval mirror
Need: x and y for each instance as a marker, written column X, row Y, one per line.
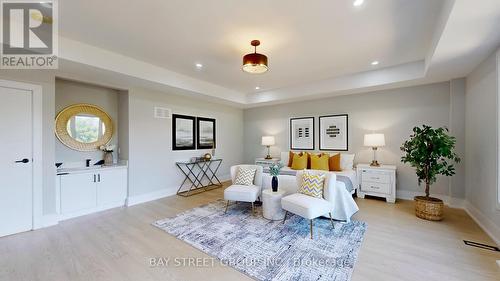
column 84, row 127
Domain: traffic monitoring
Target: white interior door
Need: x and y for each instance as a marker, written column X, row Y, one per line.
column 16, row 153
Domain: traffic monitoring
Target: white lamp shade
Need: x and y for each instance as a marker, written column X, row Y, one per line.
column 268, row 140
column 374, row 140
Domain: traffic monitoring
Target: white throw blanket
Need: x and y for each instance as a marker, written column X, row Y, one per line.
column 344, row 204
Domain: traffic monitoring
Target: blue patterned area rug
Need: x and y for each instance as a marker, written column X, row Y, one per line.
column 269, row 250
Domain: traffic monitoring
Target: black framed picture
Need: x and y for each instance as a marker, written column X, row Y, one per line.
column 183, row 132
column 206, row 132
column 333, row 132
column 302, row 133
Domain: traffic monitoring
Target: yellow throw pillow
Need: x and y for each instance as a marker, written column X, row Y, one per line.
column 335, row 163
column 312, row 185
column 299, row 162
column 320, row 162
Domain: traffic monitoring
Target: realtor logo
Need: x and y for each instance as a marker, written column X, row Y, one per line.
column 29, row 35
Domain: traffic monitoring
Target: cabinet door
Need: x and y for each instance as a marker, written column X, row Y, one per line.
column 78, row 192
column 112, row 187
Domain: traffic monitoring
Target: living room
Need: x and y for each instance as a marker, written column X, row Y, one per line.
column 181, row 140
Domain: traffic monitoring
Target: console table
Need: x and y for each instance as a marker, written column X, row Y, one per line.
column 195, row 173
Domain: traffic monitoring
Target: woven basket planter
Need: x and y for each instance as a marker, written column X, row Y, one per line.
column 429, row 208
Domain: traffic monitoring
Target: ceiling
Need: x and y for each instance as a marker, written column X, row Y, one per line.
column 313, row 47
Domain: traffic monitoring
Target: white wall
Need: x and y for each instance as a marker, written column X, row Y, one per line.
column 152, row 167
column 392, row 112
column 123, row 120
column 69, row 93
column 481, row 143
column 46, row 79
column 457, row 129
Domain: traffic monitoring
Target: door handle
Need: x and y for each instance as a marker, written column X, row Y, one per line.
column 94, row 178
column 98, row 177
column 25, row 160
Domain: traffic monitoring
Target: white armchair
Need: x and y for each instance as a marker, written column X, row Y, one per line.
column 310, row 207
column 244, row 193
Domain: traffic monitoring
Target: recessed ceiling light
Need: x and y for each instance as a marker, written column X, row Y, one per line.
column 375, row 62
column 257, row 88
column 357, row 3
column 199, row 65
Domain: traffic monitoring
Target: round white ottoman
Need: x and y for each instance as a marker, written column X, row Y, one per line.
column 271, row 204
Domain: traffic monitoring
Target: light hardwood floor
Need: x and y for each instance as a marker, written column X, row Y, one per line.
column 117, row 245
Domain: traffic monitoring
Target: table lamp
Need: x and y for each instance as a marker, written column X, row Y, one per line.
column 268, row 141
column 374, row 141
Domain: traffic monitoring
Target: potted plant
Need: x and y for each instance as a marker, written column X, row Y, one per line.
column 431, row 152
column 274, row 170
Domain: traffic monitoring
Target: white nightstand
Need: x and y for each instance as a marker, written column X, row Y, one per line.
column 266, row 162
column 377, row 181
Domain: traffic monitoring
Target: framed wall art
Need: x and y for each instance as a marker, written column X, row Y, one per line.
column 302, row 133
column 333, row 132
column 183, row 132
column 205, row 133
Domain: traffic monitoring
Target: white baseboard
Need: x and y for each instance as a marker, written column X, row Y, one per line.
column 224, row 178
column 151, row 196
column 449, row 201
column 158, row 194
column 89, row 211
column 48, row 220
column 485, row 223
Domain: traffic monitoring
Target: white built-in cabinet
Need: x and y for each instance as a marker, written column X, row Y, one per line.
column 87, row 191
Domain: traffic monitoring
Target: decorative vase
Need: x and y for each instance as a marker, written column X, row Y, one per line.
column 108, row 158
column 207, row 157
column 429, row 208
column 274, row 183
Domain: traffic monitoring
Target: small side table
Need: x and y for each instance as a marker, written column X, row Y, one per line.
column 271, row 205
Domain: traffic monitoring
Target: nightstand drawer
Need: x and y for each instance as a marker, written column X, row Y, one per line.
column 266, row 162
column 384, row 188
column 375, row 176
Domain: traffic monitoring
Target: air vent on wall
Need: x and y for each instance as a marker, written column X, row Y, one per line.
column 163, row 113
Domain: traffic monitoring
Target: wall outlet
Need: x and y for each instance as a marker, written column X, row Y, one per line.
column 498, row 263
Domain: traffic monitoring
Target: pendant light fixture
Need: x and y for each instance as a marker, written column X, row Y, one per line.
column 255, row 63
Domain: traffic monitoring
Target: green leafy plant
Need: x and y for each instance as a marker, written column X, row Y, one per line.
column 275, row 169
column 431, row 152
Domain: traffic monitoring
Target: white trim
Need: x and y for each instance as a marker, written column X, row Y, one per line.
column 92, row 210
column 162, row 193
column 50, row 220
column 484, row 222
column 37, row 135
column 497, row 200
column 151, row 196
column 451, row 202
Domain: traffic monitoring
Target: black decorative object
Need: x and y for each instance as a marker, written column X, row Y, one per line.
column 183, row 132
column 302, row 133
column 206, row 132
column 334, row 132
column 274, row 183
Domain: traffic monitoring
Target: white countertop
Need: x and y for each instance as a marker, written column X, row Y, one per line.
column 119, row 165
